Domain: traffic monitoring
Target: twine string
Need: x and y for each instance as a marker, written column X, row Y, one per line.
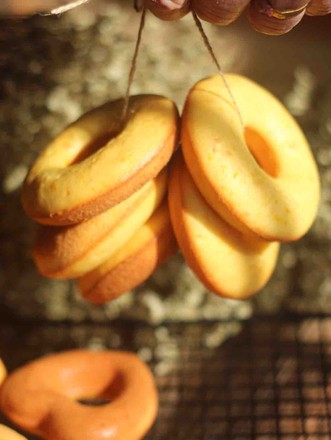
column 133, row 65
column 217, row 64
column 139, row 7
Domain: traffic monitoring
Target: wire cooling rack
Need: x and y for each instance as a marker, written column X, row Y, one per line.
column 272, row 380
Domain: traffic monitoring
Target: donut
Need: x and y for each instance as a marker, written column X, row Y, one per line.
column 3, row 372
column 5, row 432
column 151, row 245
column 71, row 251
column 97, row 162
column 229, row 263
column 261, row 178
column 44, row 397
column 8, row 434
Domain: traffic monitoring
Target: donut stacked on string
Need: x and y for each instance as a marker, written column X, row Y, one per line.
column 99, row 191
column 246, row 181
column 273, row 17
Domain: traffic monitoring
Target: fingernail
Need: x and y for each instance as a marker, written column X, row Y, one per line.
column 171, row 4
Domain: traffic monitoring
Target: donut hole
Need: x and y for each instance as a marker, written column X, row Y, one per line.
column 262, row 152
column 93, row 147
column 94, row 401
column 110, row 392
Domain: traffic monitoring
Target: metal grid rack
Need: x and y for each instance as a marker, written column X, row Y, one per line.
column 271, row 381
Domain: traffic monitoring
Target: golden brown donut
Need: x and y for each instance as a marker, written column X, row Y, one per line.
column 3, row 372
column 9, row 434
column 71, row 251
column 151, row 245
column 43, row 396
column 96, row 163
column 261, row 176
column 229, row 263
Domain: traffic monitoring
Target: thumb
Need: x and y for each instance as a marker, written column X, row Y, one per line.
column 171, row 4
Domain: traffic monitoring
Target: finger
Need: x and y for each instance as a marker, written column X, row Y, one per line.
column 276, row 17
column 219, row 12
column 168, row 9
column 319, row 7
column 19, row 7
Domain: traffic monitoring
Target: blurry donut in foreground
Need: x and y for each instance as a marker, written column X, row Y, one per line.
column 45, row 397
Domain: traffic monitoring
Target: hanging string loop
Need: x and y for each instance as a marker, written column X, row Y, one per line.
column 217, row 64
column 133, row 65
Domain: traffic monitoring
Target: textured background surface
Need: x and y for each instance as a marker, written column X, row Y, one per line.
column 55, row 68
column 270, row 381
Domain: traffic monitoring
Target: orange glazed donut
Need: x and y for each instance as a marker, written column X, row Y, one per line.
column 226, row 261
column 8, row 434
column 42, row 397
column 151, row 245
column 261, row 179
column 71, row 251
column 96, row 163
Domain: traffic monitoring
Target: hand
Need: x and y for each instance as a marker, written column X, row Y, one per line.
column 272, row 17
